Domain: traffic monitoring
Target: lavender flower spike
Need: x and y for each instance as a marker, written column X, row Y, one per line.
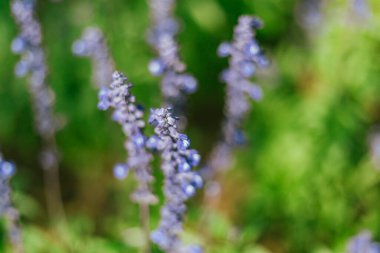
column 92, row 44
column 130, row 117
column 175, row 82
column 245, row 57
column 32, row 64
column 180, row 181
column 7, row 211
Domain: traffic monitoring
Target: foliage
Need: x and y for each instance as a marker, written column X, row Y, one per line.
column 305, row 182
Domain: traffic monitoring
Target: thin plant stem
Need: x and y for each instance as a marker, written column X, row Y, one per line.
column 145, row 225
column 52, row 186
column 28, row 44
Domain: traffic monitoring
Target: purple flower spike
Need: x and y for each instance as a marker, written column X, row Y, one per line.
column 33, row 64
column 175, row 83
column 245, row 58
column 130, row 117
column 180, row 184
column 28, row 44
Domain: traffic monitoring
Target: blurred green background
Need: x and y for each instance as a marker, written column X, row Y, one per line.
column 307, row 180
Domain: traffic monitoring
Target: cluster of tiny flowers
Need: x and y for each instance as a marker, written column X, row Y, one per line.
column 180, row 181
column 175, row 82
column 92, row 44
column 245, row 57
column 362, row 243
column 130, row 117
column 7, row 211
column 32, row 64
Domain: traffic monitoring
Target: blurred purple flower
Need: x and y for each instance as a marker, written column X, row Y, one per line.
column 175, row 83
column 362, row 243
column 92, row 44
column 28, row 44
column 245, row 57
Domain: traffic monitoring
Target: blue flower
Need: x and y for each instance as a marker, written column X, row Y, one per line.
column 139, row 139
column 7, row 169
column 183, row 166
column 194, row 158
column 183, row 142
column 156, row 67
column 120, row 171
column 152, row 142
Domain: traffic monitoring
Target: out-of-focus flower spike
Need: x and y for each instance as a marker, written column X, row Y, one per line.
column 28, row 44
column 245, row 57
column 175, row 83
column 92, row 44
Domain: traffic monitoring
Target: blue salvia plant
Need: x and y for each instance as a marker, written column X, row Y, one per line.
column 245, row 56
column 28, row 44
column 175, row 82
column 130, row 116
column 92, row 44
column 363, row 243
column 180, row 181
column 7, row 211
column 115, row 93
